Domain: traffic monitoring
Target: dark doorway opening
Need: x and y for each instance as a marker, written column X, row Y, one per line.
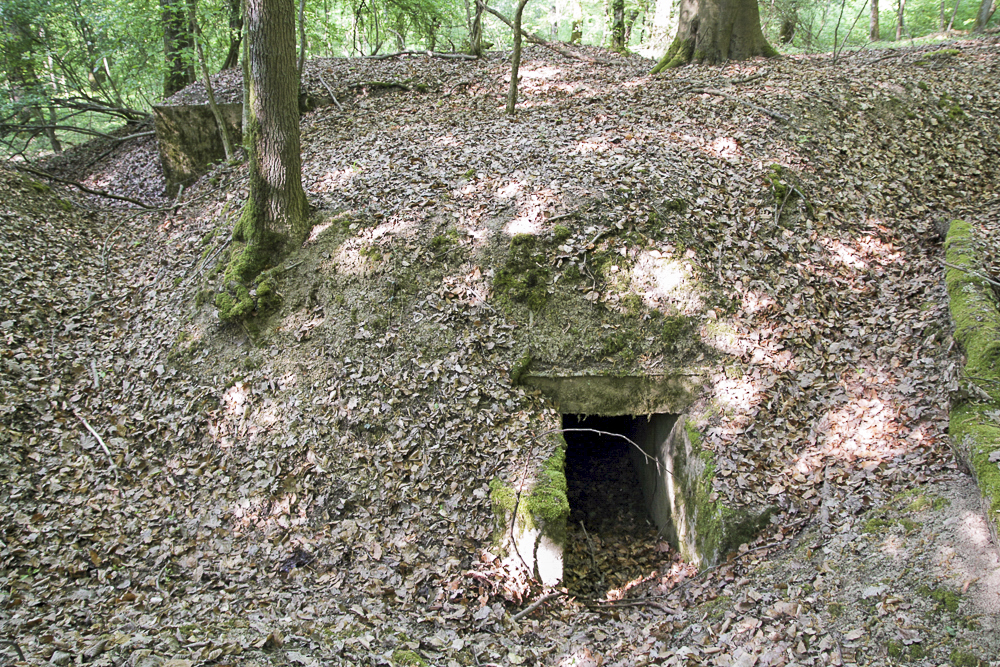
column 611, row 541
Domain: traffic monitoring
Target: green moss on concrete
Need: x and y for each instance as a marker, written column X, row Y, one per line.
column 946, row 600
column 973, row 430
column 719, row 528
column 547, row 503
column 545, row 507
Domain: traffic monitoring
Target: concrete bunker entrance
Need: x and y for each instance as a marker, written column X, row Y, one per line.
column 619, row 528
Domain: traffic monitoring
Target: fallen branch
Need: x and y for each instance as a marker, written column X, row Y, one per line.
column 101, row 441
column 11, row 642
column 716, row 91
column 385, row 85
column 429, row 54
column 601, row 605
column 536, row 604
column 535, row 39
column 563, row 216
column 976, row 274
column 330, row 91
column 99, row 193
column 72, row 128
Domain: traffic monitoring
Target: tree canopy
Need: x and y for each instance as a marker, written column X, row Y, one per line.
column 70, row 69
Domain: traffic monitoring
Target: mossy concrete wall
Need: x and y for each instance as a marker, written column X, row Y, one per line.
column 531, row 516
column 189, row 139
column 975, row 415
column 676, row 475
column 613, row 396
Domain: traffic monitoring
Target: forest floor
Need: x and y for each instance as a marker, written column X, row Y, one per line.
column 313, row 490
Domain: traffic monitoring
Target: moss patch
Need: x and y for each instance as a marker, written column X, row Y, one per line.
column 407, row 658
column 544, row 508
column 974, row 430
column 524, row 277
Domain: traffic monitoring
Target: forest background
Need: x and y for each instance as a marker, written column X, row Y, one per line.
column 73, row 69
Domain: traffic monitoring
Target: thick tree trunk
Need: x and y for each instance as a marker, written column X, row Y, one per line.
column 276, row 212
column 178, row 45
column 873, row 34
column 983, row 16
column 713, row 31
column 618, row 25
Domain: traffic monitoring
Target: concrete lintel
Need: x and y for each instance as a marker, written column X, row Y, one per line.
column 612, row 396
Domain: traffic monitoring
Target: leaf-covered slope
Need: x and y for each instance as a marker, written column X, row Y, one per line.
column 313, row 487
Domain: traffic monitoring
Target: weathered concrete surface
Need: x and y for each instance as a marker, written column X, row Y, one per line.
column 189, row 139
column 613, row 396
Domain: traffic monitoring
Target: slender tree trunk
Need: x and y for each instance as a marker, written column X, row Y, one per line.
column 476, row 37
column 629, row 24
column 220, row 122
column 302, row 37
column 178, row 45
column 901, row 8
column 954, row 13
column 713, row 31
column 873, row 33
column 235, row 34
column 618, row 25
column 15, row 49
column 983, row 16
column 275, row 214
column 515, row 60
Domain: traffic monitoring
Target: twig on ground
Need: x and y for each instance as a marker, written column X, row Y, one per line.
column 99, row 193
column 429, row 54
column 716, row 91
column 11, row 642
column 536, row 604
column 100, row 440
column 330, row 91
column 600, row 605
column 563, row 216
column 972, row 272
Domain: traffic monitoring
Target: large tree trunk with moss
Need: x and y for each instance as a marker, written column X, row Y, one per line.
column 713, row 31
column 275, row 217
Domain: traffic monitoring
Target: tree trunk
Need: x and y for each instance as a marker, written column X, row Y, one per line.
column 275, row 214
column 178, row 45
column 476, row 37
column 713, row 31
column 17, row 59
column 901, row 5
column 618, row 25
column 515, row 59
column 235, row 34
column 873, row 34
column 954, row 13
column 983, row 16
